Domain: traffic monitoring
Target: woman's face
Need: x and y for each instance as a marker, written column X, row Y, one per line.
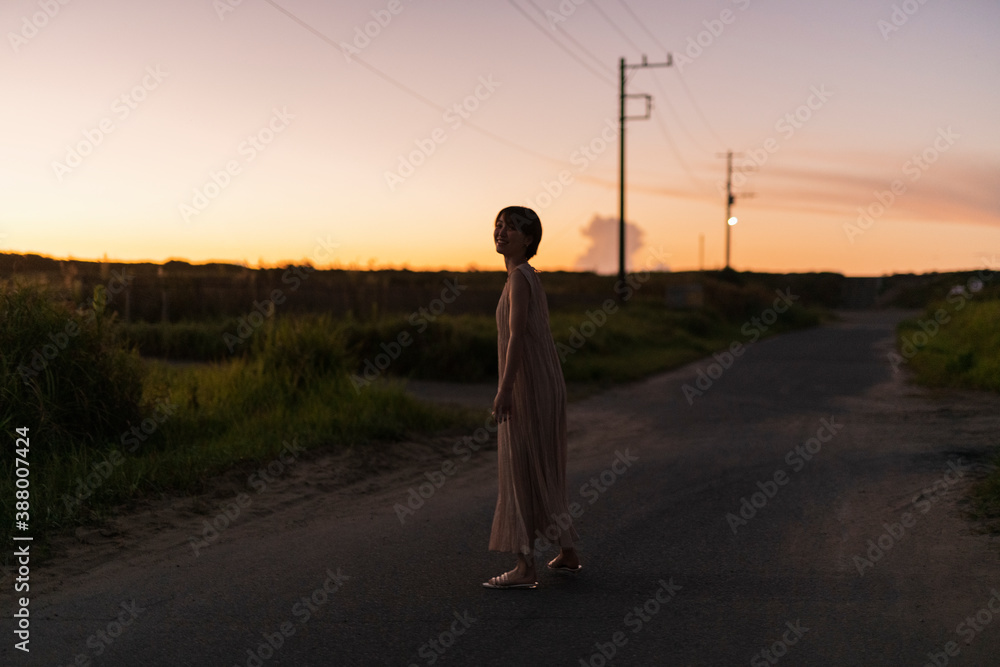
column 510, row 242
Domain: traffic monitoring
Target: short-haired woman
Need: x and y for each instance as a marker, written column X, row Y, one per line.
column 530, row 410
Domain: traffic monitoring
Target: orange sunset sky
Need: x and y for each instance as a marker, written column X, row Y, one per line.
column 388, row 133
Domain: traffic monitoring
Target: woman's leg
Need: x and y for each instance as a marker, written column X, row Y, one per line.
column 523, row 573
column 567, row 558
column 525, row 567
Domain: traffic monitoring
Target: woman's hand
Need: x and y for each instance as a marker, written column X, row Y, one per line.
column 502, row 405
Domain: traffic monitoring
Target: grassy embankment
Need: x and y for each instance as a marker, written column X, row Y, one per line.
column 108, row 427
column 956, row 343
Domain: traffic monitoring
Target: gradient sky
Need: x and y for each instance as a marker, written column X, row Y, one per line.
column 902, row 94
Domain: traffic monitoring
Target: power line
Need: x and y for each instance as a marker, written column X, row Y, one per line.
column 414, row 94
column 623, row 96
column 697, row 108
column 676, row 116
column 656, row 81
column 680, row 77
column 601, row 75
column 597, row 61
column 677, row 155
column 594, row 180
column 660, row 125
column 607, row 19
column 374, row 70
column 641, row 24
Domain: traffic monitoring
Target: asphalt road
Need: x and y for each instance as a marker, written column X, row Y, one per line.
column 851, row 548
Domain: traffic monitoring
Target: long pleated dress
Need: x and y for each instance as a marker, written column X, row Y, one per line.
column 532, row 499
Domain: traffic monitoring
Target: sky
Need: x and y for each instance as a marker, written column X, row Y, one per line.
column 389, row 133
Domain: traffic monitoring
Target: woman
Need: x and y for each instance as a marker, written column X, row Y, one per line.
column 530, row 410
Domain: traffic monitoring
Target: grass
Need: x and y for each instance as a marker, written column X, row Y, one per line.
column 171, row 428
column 956, row 344
column 181, row 341
column 66, row 372
column 188, row 423
column 985, row 500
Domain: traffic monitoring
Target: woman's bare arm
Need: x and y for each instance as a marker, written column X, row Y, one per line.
column 520, row 295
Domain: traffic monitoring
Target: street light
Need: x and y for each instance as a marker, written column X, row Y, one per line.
column 729, row 223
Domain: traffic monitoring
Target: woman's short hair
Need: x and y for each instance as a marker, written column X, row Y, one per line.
column 527, row 222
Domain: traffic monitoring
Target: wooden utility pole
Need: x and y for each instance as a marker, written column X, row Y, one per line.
column 730, row 199
column 623, row 67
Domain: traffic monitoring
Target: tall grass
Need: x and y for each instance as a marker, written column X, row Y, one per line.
column 109, row 428
column 956, row 343
column 637, row 339
column 962, row 351
column 181, row 341
column 188, row 423
column 66, row 373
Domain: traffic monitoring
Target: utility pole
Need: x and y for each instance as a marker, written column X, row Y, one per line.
column 730, row 198
column 623, row 67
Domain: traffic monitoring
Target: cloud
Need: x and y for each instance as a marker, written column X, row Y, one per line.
column 602, row 255
column 958, row 189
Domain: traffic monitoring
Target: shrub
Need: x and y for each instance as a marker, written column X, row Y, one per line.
column 66, row 373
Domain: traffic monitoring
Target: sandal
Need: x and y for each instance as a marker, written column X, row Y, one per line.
column 503, row 581
column 564, row 568
column 567, row 570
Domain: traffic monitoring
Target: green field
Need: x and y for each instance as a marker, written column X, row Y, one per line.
column 111, row 423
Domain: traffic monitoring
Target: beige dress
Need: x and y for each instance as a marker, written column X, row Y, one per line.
column 532, row 501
